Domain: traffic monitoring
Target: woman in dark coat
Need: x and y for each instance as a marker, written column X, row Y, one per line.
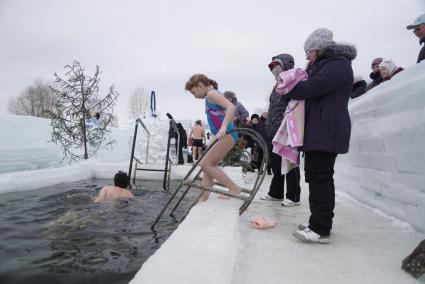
column 327, row 126
column 182, row 143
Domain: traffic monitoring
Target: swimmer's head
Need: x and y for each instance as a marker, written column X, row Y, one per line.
column 121, row 179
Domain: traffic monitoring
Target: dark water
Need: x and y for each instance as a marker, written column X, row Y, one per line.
column 57, row 235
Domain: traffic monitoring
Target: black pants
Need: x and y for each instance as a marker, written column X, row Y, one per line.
column 293, row 189
column 180, row 153
column 319, row 170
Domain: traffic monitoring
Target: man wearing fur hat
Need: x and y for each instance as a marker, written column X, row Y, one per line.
column 418, row 27
column 327, row 126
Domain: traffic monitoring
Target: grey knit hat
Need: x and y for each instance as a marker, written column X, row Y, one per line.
column 319, row 39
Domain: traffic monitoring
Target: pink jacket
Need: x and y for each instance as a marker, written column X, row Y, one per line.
column 290, row 134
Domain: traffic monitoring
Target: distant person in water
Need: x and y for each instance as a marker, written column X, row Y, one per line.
column 117, row 192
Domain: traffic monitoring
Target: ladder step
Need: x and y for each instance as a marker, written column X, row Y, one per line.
column 150, row 170
column 219, row 191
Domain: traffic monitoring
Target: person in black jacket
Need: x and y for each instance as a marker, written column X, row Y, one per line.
column 277, row 107
column 260, row 127
column 327, row 125
column 375, row 75
column 359, row 87
column 182, row 142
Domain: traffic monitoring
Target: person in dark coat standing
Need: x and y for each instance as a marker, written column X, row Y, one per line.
column 375, row 75
column 258, row 124
column 277, row 107
column 327, row 125
column 418, row 27
column 182, row 142
column 260, row 127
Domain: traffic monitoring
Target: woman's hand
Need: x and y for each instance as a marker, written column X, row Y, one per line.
column 221, row 133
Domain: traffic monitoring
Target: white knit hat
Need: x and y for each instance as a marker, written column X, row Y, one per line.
column 389, row 64
column 318, row 39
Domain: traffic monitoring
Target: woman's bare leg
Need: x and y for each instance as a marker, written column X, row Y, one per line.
column 213, row 157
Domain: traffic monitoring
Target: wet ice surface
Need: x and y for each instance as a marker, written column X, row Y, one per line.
column 57, row 234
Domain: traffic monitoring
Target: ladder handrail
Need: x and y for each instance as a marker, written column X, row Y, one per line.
column 260, row 177
column 167, row 170
column 139, row 120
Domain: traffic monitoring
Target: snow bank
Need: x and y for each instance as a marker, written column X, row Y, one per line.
column 202, row 249
column 35, row 179
column 24, row 144
column 385, row 165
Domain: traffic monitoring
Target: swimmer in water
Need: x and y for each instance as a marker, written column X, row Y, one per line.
column 117, row 192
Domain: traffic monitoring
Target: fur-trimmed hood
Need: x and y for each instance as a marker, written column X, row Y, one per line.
column 338, row 49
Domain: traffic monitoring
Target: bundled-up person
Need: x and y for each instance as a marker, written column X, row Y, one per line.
column 388, row 69
column 327, row 126
column 418, row 27
column 359, row 87
column 241, row 114
column 276, row 111
column 258, row 124
column 182, row 142
column 375, row 75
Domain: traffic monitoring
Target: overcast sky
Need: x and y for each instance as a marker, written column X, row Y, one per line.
column 159, row 44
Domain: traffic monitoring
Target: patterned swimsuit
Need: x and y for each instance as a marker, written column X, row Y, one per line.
column 215, row 115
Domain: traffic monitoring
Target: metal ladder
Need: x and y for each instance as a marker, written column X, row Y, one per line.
column 168, row 163
column 246, row 195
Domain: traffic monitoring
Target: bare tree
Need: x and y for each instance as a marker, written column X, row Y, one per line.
column 138, row 103
column 77, row 102
column 36, row 100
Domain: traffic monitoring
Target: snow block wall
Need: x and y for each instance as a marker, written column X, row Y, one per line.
column 385, row 167
column 24, row 144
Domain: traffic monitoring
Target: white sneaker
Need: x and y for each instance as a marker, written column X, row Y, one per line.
column 289, row 203
column 308, row 235
column 269, row 198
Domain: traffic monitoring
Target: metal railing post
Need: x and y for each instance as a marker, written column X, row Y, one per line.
column 132, row 155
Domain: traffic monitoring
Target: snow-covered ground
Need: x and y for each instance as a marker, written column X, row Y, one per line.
column 214, row 245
